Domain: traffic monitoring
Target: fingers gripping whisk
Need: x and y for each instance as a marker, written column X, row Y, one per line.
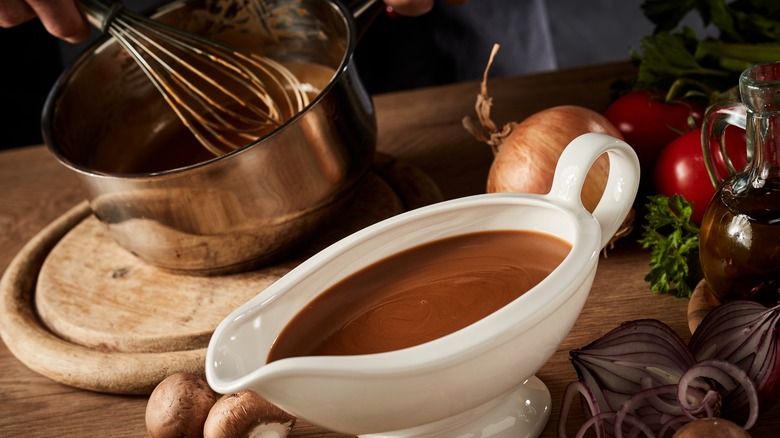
column 226, row 98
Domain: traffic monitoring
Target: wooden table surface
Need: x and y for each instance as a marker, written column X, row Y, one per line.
column 422, row 127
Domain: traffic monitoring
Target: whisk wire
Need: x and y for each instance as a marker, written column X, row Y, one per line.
column 238, row 76
column 183, row 111
column 224, row 97
column 181, row 106
column 289, row 80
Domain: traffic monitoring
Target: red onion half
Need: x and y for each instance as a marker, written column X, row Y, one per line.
column 640, row 379
column 635, row 355
column 746, row 334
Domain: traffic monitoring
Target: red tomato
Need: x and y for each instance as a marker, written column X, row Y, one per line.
column 680, row 168
column 648, row 123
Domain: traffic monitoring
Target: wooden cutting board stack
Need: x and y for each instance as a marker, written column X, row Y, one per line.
column 79, row 309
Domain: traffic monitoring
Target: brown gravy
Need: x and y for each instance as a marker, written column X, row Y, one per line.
column 421, row 294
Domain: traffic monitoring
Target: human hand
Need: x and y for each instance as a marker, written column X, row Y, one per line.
column 61, row 18
column 413, row 8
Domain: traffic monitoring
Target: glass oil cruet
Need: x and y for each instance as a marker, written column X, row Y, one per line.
column 740, row 232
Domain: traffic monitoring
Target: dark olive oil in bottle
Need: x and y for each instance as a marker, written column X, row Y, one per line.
column 740, row 242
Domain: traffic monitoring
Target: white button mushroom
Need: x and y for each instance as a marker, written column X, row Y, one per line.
column 246, row 414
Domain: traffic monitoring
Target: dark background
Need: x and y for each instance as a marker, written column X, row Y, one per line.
column 582, row 33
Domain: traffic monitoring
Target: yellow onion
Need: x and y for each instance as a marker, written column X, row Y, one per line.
column 526, row 153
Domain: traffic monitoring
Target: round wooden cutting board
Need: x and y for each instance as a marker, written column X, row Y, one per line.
column 79, row 309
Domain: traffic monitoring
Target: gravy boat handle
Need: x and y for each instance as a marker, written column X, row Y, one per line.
column 622, row 184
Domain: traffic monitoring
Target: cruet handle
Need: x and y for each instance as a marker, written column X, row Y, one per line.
column 717, row 118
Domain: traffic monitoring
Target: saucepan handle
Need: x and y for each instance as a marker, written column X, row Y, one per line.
column 364, row 13
column 622, row 183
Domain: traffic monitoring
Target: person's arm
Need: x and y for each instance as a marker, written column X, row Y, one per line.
column 63, row 19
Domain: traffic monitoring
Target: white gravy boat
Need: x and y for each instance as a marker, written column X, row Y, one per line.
column 476, row 382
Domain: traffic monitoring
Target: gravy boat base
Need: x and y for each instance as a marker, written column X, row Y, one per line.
column 520, row 413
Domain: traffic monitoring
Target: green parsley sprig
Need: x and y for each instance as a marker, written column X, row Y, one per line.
column 673, row 239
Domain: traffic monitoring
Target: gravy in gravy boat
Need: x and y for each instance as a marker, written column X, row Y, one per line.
column 421, row 294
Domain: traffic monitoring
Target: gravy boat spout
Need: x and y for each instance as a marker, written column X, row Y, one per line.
column 476, row 381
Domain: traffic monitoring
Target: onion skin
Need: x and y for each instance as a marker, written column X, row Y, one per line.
column 711, row 428
column 526, row 158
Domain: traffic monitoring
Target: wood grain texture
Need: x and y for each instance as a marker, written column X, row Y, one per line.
column 421, row 127
column 94, row 293
column 100, row 319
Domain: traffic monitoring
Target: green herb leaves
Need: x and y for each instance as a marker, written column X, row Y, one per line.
column 674, row 57
column 667, row 14
column 674, row 243
column 745, row 21
column 668, row 57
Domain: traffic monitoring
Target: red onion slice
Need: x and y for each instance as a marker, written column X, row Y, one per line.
column 726, row 376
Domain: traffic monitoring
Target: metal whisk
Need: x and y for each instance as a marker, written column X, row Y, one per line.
column 225, row 97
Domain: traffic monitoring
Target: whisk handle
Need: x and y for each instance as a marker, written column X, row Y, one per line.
column 100, row 13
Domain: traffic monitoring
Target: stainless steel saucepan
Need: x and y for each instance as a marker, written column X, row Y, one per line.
column 175, row 206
